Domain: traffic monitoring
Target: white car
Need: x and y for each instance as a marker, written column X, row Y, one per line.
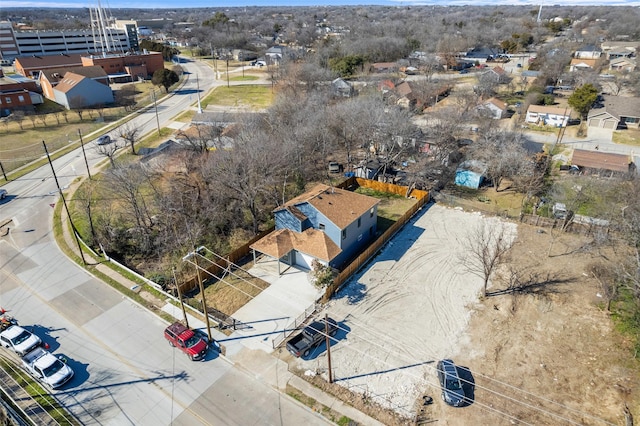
column 19, row 340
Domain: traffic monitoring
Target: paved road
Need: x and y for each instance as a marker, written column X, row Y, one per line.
column 126, row 373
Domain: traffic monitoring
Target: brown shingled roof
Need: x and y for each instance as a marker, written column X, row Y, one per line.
column 339, row 206
column 600, row 160
column 312, row 242
column 57, row 74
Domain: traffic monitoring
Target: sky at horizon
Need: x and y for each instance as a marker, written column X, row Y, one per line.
column 172, row 4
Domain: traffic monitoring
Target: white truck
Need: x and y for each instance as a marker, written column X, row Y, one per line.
column 47, row 368
column 19, row 340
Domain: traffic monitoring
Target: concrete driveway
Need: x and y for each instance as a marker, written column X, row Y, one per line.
column 273, row 311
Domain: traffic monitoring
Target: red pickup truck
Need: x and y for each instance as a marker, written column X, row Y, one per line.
column 186, row 340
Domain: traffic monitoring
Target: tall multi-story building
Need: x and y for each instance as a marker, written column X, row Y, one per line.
column 15, row 43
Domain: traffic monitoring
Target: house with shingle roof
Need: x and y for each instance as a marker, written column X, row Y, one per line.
column 596, row 160
column 618, row 113
column 588, row 52
column 582, row 64
column 326, row 224
column 78, row 91
column 494, row 108
column 548, row 115
column 622, row 64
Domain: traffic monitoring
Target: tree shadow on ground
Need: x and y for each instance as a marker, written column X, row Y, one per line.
column 533, row 283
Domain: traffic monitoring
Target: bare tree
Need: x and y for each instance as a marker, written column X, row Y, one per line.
column 130, row 134
column 487, row 247
column 109, row 150
column 135, row 187
column 202, row 136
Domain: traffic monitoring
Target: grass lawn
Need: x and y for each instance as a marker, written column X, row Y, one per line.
column 391, row 206
column 252, row 96
column 627, row 137
column 244, row 78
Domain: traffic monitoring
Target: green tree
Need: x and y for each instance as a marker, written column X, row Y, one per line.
column 347, row 65
column 165, row 78
column 583, row 98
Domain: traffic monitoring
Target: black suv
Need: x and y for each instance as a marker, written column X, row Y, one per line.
column 452, row 390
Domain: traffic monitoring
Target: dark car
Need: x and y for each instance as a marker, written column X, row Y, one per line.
column 104, row 140
column 452, row 390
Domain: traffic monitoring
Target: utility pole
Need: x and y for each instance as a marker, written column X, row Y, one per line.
column 184, row 312
column 155, row 105
column 195, row 255
column 227, row 70
column 198, row 89
column 64, row 202
column 328, row 343
column 86, row 163
column 3, row 173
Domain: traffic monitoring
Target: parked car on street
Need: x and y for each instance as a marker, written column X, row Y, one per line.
column 19, row 340
column 186, row 340
column 452, row 390
column 3, row 193
column 104, row 140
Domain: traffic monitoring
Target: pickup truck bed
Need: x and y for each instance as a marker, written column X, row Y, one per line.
column 310, row 337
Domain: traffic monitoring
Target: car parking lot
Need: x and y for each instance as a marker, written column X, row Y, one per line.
column 408, row 309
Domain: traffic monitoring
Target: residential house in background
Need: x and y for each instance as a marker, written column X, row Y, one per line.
column 618, row 113
column 588, row 52
column 622, row 64
column 582, row 64
column 494, row 108
column 383, row 67
column 595, row 161
column 326, row 224
column 274, row 54
column 548, row 115
column 342, row 88
column 498, row 74
column 78, row 91
column 618, row 49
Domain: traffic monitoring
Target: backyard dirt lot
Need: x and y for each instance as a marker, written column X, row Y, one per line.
column 546, row 357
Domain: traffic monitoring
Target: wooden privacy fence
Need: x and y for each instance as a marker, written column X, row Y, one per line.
column 216, row 266
column 364, row 257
